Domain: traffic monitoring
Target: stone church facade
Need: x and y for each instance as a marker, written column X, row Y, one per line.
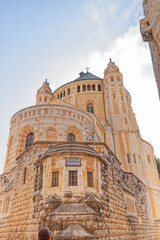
column 77, row 164
column 150, row 30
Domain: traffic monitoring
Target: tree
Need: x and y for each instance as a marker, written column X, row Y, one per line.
column 158, row 164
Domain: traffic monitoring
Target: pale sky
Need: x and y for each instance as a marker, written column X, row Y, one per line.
column 57, row 39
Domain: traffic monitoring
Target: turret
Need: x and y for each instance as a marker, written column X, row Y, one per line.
column 44, row 94
column 121, row 117
column 117, row 100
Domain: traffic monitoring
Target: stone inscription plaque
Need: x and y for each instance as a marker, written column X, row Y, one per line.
column 73, row 161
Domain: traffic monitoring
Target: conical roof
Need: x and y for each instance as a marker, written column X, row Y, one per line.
column 111, row 67
column 45, row 86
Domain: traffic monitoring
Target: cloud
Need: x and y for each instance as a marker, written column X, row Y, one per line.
column 134, row 62
column 147, row 71
column 134, row 10
column 99, row 30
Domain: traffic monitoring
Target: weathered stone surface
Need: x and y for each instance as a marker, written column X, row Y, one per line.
column 74, row 231
column 113, row 192
column 150, row 30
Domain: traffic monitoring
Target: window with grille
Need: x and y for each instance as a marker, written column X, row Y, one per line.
column 78, row 88
column 90, row 179
column 90, row 108
column 93, row 88
column 84, row 88
column 71, row 137
column 88, row 88
column 99, row 87
column 29, row 140
column 73, row 179
column 55, row 179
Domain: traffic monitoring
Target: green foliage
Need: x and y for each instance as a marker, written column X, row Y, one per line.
column 158, row 164
column 145, row 1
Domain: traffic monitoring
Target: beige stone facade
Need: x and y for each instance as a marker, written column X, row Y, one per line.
column 77, row 164
column 150, row 30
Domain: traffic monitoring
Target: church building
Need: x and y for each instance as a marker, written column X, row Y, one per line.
column 77, row 164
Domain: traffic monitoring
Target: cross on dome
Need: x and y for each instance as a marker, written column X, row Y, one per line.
column 87, row 68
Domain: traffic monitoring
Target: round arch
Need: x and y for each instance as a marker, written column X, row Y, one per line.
column 51, row 134
column 24, row 132
column 75, row 131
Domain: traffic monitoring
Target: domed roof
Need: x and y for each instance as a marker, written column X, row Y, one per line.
column 87, row 76
column 70, row 148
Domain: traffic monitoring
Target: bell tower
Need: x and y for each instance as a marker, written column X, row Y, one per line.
column 120, row 116
column 117, row 99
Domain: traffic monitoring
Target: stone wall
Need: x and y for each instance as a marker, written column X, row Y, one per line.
column 100, row 214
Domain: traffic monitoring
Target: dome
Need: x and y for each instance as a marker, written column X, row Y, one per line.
column 70, row 148
column 87, row 76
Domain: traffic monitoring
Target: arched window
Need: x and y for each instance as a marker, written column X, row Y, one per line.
column 29, row 140
column 71, row 137
column 90, row 108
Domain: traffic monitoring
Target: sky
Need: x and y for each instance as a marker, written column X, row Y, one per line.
column 57, row 39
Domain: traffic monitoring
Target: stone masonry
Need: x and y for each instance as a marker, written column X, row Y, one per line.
column 77, row 164
column 150, row 30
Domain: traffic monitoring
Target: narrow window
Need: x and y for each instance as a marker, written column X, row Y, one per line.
column 148, row 158
column 40, row 99
column 84, row 88
column 55, row 179
column 114, row 96
column 73, row 178
column 134, row 157
column 71, row 137
column 29, row 140
column 45, row 99
column 93, row 88
column 90, row 108
column 68, row 91
column 64, row 93
column 111, row 79
column 90, row 179
column 99, row 87
column 24, row 175
column 126, row 120
column 78, row 89
column 60, row 95
column 128, row 159
column 88, row 88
